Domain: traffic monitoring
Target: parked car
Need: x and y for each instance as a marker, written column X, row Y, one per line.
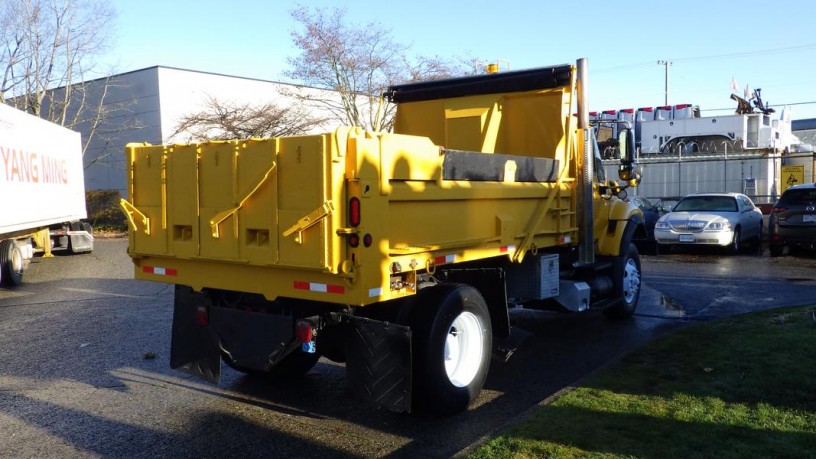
column 652, row 211
column 721, row 219
column 792, row 222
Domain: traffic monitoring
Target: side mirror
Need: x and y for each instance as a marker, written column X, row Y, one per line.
column 626, row 170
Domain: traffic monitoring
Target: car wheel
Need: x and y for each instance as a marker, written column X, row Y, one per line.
column 736, row 243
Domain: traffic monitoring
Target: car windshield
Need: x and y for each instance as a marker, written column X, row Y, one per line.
column 706, row 204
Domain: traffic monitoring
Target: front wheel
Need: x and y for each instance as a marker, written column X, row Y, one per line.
column 626, row 276
column 452, row 343
column 736, row 244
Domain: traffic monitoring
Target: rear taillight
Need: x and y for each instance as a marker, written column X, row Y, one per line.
column 354, row 212
column 778, row 210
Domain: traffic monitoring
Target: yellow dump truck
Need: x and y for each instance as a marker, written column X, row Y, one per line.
column 396, row 253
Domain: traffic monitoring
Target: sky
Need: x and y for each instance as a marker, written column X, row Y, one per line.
column 710, row 44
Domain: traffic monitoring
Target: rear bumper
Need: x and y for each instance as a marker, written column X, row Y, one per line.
column 781, row 235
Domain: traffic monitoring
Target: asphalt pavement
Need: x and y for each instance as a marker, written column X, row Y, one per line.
column 84, row 366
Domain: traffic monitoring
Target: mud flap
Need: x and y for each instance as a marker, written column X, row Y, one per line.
column 378, row 366
column 194, row 348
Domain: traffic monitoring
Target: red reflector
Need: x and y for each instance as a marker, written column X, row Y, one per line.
column 202, row 316
column 303, row 331
column 354, row 240
column 354, row 212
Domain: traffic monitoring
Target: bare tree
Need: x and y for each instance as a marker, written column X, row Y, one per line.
column 47, row 49
column 357, row 63
column 221, row 120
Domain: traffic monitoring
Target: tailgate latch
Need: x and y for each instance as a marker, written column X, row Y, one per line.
column 308, row 221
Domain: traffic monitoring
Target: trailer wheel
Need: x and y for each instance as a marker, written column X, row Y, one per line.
column 11, row 263
column 626, row 275
column 452, row 344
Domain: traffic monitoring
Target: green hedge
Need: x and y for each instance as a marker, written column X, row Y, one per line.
column 104, row 212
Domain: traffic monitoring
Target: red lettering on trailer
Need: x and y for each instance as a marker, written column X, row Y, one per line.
column 30, row 167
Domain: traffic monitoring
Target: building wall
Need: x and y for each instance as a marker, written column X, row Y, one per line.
column 147, row 105
column 132, row 101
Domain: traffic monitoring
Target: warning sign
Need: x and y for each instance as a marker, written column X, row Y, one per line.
column 792, row 175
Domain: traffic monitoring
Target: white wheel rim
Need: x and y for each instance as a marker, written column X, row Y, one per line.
column 463, row 349
column 631, row 281
column 16, row 261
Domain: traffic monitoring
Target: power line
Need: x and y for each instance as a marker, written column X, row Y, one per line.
column 752, row 53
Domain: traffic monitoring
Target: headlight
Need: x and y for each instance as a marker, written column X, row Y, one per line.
column 661, row 225
column 718, row 226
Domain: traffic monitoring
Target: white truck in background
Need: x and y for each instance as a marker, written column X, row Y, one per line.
column 42, row 192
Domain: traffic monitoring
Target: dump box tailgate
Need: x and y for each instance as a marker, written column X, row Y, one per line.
column 227, row 201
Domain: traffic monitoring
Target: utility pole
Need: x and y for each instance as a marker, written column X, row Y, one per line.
column 666, row 64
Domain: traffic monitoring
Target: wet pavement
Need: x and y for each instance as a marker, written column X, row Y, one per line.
column 84, row 366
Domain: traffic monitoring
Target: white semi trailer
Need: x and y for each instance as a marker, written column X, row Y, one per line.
column 42, row 192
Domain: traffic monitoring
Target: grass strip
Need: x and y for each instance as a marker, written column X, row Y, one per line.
column 743, row 386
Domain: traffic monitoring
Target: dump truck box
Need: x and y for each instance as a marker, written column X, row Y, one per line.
column 345, row 217
column 349, row 217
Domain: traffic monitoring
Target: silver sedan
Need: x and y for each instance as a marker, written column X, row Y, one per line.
column 721, row 219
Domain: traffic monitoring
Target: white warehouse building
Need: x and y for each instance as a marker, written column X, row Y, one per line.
column 147, row 105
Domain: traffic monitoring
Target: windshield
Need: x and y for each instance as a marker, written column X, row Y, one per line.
column 706, row 204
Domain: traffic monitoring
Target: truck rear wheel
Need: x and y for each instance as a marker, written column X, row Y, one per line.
column 626, row 276
column 11, row 263
column 452, row 339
